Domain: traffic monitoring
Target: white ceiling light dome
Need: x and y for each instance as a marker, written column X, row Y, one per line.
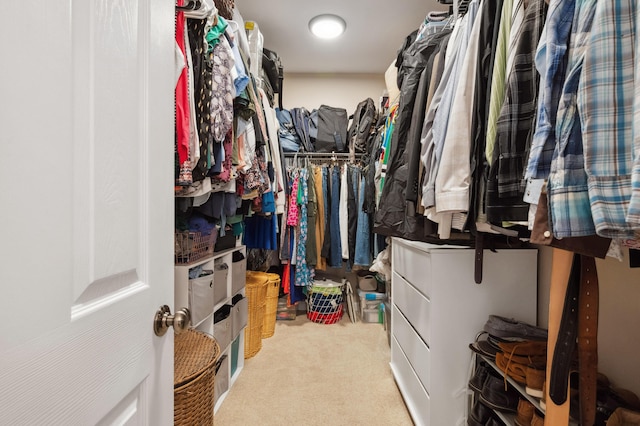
column 327, row 26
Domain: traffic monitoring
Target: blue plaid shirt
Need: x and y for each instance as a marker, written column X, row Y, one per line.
column 567, row 185
column 633, row 216
column 605, row 102
column 551, row 62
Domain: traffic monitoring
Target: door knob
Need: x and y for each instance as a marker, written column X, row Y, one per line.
column 163, row 320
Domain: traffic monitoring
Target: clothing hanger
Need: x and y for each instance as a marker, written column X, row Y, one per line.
column 189, row 5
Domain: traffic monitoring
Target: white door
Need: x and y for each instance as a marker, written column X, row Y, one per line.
column 86, row 211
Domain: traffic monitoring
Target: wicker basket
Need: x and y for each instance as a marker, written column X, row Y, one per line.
column 195, row 355
column 256, row 289
column 192, row 246
column 271, row 302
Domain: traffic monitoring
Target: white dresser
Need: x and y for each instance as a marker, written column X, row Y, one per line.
column 436, row 311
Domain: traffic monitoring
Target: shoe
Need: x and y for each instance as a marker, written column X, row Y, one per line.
column 509, row 328
column 478, row 378
column 536, row 420
column 497, row 394
column 494, row 422
column 525, row 348
column 609, row 400
column 485, row 347
column 512, row 369
column 624, row 417
column 479, row 414
column 537, row 361
column 534, row 381
column 524, row 413
column 543, row 398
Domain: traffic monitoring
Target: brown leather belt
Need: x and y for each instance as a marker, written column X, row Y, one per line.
column 579, row 322
column 588, row 339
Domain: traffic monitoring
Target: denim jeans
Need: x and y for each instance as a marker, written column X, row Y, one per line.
column 363, row 234
column 335, row 260
column 353, row 182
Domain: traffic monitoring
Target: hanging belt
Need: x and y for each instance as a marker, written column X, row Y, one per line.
column 588, row 340
column 579, row 322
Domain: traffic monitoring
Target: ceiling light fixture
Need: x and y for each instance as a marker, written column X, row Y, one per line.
column 327, row 26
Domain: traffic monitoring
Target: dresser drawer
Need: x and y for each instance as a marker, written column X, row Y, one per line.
column 416, row 351
column 413, row 305
column 412, row 264
column 414, row 395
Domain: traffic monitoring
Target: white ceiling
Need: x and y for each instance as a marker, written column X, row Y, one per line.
column 375, row 31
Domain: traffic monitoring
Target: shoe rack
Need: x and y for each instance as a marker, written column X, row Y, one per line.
column 507, row 417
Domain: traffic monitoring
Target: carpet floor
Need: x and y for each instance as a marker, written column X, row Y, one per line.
column 315, row 374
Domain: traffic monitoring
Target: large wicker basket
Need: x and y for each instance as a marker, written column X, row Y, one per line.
column 195, row 355
column 256, row 289
column 271, row 302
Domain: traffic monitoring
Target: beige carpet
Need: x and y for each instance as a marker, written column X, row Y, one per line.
column 316, row 374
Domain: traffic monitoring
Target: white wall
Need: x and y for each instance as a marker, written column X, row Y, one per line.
column 336, row 90
column 618, row 316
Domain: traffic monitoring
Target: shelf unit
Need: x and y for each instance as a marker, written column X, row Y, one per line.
column 509, row 418
column 206, row 296
column 436, row 310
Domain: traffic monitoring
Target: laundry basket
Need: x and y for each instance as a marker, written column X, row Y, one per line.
column 195, row 355
column 324, row 301
column 256, row 289
column 271, row 302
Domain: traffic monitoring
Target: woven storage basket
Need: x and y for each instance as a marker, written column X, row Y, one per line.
column 195, row 355
column 256, row 289
column 271, row 302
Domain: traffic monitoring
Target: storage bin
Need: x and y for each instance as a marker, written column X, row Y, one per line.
column 238, row 271
column 201, row 296
column 369, row 302
column 285, row 312
column 324, row 302
column 222, row 326
column 225, row 242
column 239, row 314
column 192, row 246
column 235, row 352
column 195, row 355
column 371, row 315
column 220, row 281
column 221, row 383
column 256, row 289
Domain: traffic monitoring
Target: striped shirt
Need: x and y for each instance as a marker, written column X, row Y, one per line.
column 569, row 208
column 633, row 216
column 551, row 62
column 605, row 102
column 514, row 125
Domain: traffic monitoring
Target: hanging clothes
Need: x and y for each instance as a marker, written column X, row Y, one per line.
column 182, row 109
column 318, row 178
column 304, row 275
column 505, row 188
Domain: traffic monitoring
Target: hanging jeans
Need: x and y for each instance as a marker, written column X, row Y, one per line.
column 363, row 234
column 335, row 260
column 353, row 174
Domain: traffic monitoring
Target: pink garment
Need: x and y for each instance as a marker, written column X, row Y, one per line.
column 182, row 107
column 292, row 216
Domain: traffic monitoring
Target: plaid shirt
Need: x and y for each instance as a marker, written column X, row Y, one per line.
column 551, row 62
column 605, row 102
column 514, row 125
column 633, row 216
column 567, row 186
